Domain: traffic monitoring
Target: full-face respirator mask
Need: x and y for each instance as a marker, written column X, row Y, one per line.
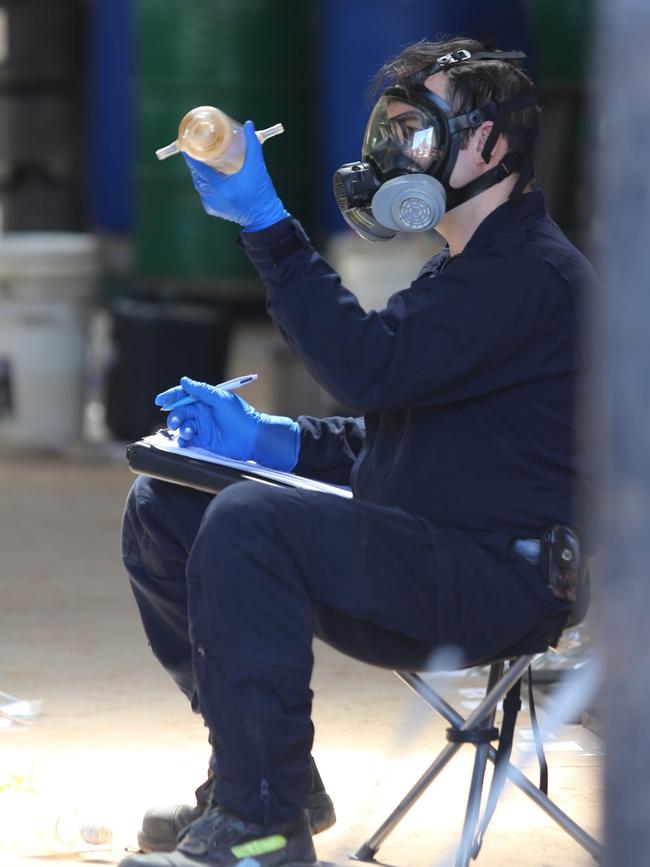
column 409, row 152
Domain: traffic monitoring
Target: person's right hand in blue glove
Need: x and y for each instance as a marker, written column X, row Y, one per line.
column 247, row 197
column 220, row 421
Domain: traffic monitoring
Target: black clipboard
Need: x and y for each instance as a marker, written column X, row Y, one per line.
column 212, row 477
column 147, row 460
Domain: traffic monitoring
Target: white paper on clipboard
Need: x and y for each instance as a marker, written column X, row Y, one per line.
column 167, row 444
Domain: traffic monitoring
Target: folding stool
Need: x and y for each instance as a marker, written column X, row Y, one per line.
column 478, row 729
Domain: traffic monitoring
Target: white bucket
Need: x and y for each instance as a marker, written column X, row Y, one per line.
column 46, row 280
column 374, row 272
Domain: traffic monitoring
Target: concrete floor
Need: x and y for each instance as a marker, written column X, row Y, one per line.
column 115, row 737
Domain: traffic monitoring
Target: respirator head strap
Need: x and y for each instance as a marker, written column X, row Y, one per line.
column 462, row 55
column 526, row 175
column 525, row 167
column 509, row 164
column 497, row 112
column 499, row 55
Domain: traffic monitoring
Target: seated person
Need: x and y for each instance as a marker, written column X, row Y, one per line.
column 465, row 386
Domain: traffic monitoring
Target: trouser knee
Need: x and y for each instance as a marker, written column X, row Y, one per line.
column 139, row 520
column 249, row 543
column 160, row 523
column 254, row 516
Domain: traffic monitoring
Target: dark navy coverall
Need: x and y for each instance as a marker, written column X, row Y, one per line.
column 467, row 384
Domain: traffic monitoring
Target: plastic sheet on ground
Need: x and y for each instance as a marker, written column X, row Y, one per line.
column 18, row 713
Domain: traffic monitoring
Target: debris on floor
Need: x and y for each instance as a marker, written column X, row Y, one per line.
column 16, row 713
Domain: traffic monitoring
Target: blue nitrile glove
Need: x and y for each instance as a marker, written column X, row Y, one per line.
column 248, row 197
column 222, row 422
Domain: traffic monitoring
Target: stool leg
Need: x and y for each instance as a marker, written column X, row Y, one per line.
column 473, row 810
column 369, row 849
column 430, row 697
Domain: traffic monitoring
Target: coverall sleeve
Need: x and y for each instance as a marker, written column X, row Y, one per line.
column 329, row 447
column 465, row 332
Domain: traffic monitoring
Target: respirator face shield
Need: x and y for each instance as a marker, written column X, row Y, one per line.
column 410, row 148
column 395, row 187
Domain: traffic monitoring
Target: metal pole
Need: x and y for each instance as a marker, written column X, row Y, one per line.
column 622, row 345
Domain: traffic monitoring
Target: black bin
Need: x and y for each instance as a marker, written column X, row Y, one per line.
column 154, row 344
column 36, row 200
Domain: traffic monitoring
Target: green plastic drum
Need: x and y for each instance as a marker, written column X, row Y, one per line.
column 264, row 42
column 176, row 239
column 249, row 58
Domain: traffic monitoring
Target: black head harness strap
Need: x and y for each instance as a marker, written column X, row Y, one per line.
column 509, row 164
column 498, row 112
column 462, row 55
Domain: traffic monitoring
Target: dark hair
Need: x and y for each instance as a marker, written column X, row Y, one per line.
column 471, row 84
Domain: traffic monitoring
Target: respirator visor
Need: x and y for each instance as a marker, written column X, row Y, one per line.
column 403, row 135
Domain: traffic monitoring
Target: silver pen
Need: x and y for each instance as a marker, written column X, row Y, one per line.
column 229, row 385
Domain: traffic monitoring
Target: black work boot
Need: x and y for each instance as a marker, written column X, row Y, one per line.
column 221, row 839
column 162, row 825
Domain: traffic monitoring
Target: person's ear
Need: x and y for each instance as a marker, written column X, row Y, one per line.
column 480, row 138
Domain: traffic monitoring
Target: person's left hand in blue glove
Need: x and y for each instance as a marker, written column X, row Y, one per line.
column 222, row 422
column 247, row 197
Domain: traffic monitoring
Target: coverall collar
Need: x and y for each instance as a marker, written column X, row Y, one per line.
column 507, row 219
